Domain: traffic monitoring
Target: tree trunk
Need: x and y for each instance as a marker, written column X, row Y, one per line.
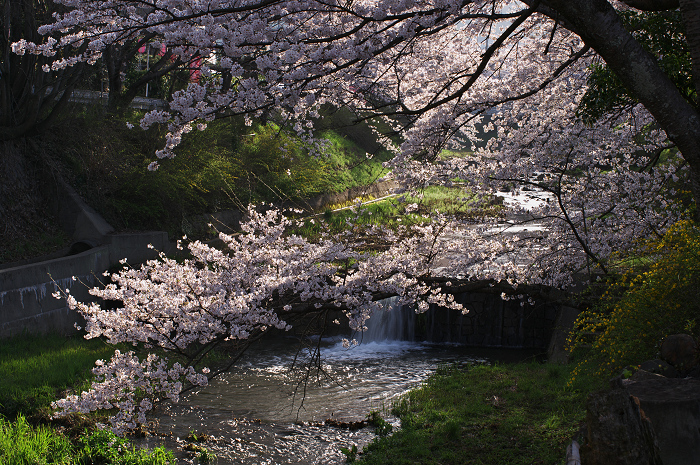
column 601, row 28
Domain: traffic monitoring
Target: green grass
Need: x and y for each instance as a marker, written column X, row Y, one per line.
column 349, row 165
column 492, row 415
column 35, row 370
column 448, row 154
column 451, row 201
column 104, row 447
column 24, row 444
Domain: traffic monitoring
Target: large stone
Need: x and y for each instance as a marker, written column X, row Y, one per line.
column 681, row 351
column 618, row 431
column 643, row 375
column 659, row 367
column 673, row 406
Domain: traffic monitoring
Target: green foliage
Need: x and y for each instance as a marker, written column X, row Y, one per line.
column 485, row 415
column 227, row 166
column 350, row 453
column 349, row 165
column 162, row 87
column 661, row 34
column 103, row 447
column 22, row 444
column 381, row 426
column 279, row 167
column 206, row 456
column 452, row 201
column 642, row 307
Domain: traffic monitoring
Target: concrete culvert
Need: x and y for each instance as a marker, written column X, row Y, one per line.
column 79, row 247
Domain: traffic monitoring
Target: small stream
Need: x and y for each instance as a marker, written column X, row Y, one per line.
column 261, row 413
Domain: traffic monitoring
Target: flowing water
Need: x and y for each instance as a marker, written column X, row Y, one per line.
column 265, row 412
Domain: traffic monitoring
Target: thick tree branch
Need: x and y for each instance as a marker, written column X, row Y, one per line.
column 600, row 27
column 652, row 5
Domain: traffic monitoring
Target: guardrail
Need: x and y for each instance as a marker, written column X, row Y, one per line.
column 95, row 96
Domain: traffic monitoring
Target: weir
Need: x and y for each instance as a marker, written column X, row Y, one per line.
column 490, row 322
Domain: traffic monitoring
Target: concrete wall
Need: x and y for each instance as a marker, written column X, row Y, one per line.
column 26, row 303
column 490, row 322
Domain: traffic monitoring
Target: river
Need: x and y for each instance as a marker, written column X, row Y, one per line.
column 263, row 412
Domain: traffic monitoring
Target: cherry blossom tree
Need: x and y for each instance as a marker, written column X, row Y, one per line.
column 438, row 72
column 264, row 278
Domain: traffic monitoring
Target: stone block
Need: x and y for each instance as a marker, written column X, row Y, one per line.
column 673, row 406
column 659, row 367
column 618, row 432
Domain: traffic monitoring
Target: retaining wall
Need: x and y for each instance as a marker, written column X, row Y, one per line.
column 26, row 301
column 491, row 322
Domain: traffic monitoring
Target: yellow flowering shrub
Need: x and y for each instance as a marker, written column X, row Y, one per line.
column 640, row 309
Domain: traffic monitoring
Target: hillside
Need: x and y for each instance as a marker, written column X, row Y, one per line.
column 226, row 166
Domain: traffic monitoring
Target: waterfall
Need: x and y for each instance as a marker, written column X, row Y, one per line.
column 390, row 323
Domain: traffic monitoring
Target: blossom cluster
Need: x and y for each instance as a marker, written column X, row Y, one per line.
column 130, row 386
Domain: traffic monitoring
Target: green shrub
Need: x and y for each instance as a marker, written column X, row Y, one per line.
column 641, row 308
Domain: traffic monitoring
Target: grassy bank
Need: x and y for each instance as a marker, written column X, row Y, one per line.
column 34, row 371
column 504, row 414
column 456, row 202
